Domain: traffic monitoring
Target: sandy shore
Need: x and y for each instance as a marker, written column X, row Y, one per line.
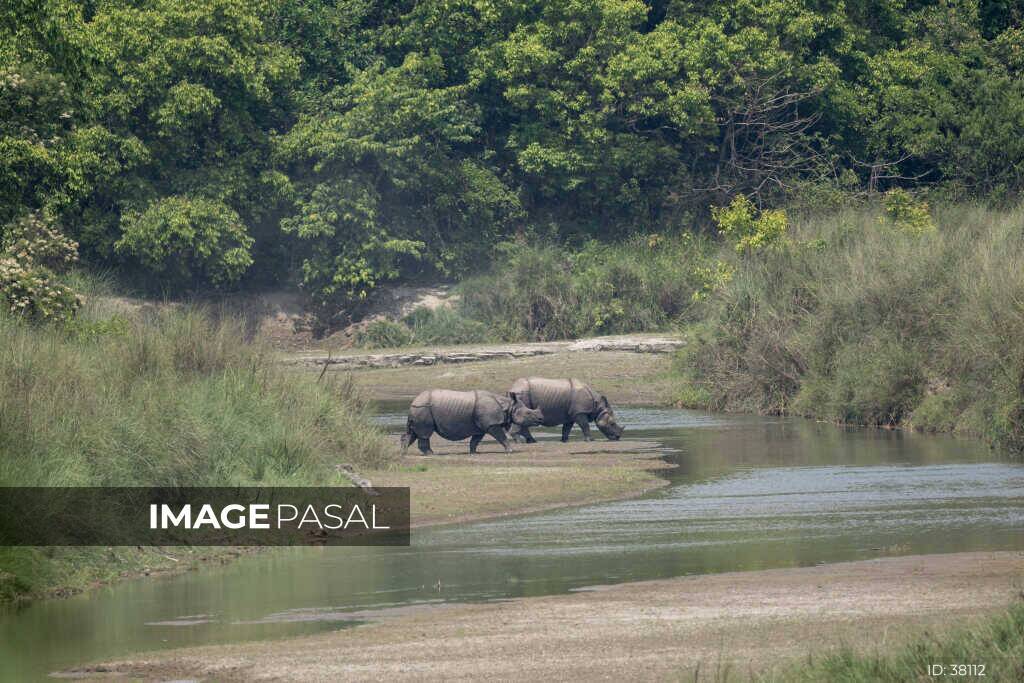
column 719, row 626
column 453, row 486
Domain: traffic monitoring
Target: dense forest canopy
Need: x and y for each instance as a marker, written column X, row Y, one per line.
column 346, row 142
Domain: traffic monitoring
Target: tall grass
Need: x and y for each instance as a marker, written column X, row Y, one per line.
column 174, row 397
column 854, row 320
column 424, row 326
column 547, row 292
column 998, row 644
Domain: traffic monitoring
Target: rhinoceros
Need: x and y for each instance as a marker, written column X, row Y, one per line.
column 564, row 402
column 458, row 414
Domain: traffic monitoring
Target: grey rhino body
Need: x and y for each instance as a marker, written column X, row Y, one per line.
column 565, row 402
column 455, row 415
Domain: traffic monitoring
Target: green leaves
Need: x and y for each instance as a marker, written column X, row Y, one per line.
column 355, row 141
column 187, row 106
column 189, row 241
column 749, row 229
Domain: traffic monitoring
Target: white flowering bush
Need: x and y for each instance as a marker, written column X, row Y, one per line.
column 34, row 239
column 33, row 252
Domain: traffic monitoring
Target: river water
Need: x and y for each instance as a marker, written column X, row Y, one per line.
column 749, row 493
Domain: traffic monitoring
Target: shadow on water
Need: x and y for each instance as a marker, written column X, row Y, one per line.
column 749, row 493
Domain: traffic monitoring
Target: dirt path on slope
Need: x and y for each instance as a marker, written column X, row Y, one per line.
column 724, row 626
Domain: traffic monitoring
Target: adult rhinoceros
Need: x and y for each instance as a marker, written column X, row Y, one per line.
column 458, row 414
column 564, row 402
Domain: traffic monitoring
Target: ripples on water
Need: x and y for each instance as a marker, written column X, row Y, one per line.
column 748, row 493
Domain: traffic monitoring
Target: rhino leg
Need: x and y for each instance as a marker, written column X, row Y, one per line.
column 474, row 441
column 499, row 435
column 525, row 435
column 584, row 424
column 407, row 440
column 566, row 428
column 424, row 445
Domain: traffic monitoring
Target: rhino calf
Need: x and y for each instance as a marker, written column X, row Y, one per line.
column 458, row 414
column 564, row 402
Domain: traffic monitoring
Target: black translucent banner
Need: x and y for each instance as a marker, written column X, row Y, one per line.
column 192, row 516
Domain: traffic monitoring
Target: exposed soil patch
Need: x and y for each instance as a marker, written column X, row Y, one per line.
column 712, row 627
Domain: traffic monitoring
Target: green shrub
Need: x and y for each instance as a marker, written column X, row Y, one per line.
column 907, row 213
column 875, row 382
column 424, row 326
column 445, row 325
column 86, row 330
column 30, row 291
column 383, row 334
column 646, row 283
column 34, row 239
column 33, row 253
column 749, row 232
column 937, row 412
column 188, row 241
column 528, row 295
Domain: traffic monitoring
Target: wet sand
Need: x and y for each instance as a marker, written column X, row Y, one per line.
column 454, row 486
column 711, row 627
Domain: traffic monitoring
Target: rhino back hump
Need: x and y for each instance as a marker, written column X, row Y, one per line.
column 453, row 413
column 584, row 399
column 553, row 397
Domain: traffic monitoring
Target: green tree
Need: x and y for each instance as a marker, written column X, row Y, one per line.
column 188, row 241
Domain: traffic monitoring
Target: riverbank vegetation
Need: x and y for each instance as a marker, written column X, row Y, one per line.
column 883, row 311
column 997, row 644
column 870, row 317
column 176, row 397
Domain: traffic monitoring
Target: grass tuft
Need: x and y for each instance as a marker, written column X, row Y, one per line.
column 997, row 643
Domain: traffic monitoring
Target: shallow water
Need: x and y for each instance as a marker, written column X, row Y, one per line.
column 749, row 493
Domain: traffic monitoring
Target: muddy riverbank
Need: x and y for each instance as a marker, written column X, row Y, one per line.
column 740, row 623
column 453, row 486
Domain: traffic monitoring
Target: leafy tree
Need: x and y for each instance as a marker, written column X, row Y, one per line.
column 346, row 143
column 383, row 174
column 188, row 240
column 186, row 98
